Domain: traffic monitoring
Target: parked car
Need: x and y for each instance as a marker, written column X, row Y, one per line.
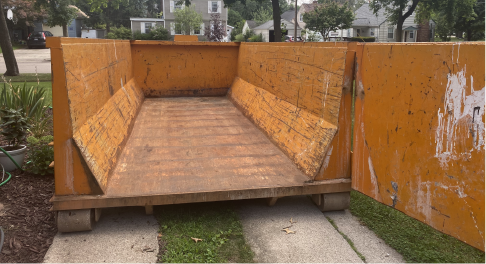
column 38, row 39
column 291, row 39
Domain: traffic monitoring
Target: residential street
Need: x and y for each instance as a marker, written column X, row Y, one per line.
column 28, row 59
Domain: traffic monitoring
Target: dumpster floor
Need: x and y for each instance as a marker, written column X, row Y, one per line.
column 198, row 149
column 193, row 145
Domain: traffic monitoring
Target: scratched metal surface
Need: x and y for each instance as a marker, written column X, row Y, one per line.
column 419, row 133
column 173, row 69
column 104, row 100
column 293, row 95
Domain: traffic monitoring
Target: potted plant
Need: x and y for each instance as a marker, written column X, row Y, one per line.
column 14, row 128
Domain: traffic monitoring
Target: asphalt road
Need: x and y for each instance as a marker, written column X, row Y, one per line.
column 29, row 59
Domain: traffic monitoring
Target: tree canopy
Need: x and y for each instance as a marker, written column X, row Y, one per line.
column 396, row 11
column 330, row 16
column 187, row 20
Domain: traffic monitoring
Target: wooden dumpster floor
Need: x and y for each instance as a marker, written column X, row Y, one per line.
column 198, row 145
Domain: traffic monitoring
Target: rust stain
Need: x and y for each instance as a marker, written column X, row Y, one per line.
column 419, row 133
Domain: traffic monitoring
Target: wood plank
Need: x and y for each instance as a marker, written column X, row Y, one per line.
column 201, row 155
column 73, row 202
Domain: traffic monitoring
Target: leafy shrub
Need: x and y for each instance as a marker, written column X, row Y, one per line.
column 157, row 33
column 257, row 38
column 119, row 33
column 30, row 100
column 363, row 39
column 41, row 126
column 240, row 38
column 248, row 34
column 40, row 155
column 14, row 127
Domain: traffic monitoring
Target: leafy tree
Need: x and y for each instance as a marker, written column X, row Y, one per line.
column 396, row 11
column 215, row 31
column 234, row 17
column 262, row 15
column 60, row 13
column 454, row 16
column 25, row 10
column 187, row 19
column 329, row 16
column 106, row 7
column 6, row 45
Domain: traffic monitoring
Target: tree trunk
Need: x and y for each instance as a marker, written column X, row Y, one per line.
column 65, row 31
column 295, row 26
column 277, row 31
column 6, row 45
column 398, row 37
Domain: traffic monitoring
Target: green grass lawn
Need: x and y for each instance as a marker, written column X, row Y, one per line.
column 29, row 77
column 218, row 226
column 416, row 241
column 46, row 85
column 15, row 47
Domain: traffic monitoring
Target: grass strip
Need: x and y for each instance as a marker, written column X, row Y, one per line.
column 217, row 224
column 414, row 240
column 350, row 242
column 29, row 77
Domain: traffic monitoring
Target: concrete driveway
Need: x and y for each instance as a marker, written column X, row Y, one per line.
column 125, row 234
column 28, row 59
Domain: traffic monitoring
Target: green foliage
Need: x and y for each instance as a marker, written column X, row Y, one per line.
column 329, row 17
column 41, row 126
column 59, row 12
column 40, row 155
column 257, row 38
column 240, row 38
column 363, row 39
column 262, row 15
column 119, row 33
column 414, row 240
column 313, row 37
column 157, row 33
column 216, row 224
column 14, row 126
column 234, row 17
column 99, row 5
column 187, row 20
column 30, row 100
column 248, row 34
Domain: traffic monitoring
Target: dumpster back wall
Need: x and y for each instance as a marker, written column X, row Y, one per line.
column 419, row 133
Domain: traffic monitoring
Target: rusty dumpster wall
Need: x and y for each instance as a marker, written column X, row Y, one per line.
column 171, row 69
column 96, row 100
column 293, row 95
column 419, row 133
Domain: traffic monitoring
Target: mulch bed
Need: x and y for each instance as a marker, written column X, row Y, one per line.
column 28, row 224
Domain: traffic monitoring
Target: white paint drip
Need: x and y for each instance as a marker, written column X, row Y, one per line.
column 114, row 45
column 121, row 80
column 461, row 113
column 328, row 157
column 373, row 177
column 423, row 200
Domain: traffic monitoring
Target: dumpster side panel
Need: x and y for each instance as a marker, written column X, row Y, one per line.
column 301, row 135
column 309, row 78
column 104, row 100
column 173, row 69
column 419, row 133
column 301, row 121
column 71, row 176
column 337, row 160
